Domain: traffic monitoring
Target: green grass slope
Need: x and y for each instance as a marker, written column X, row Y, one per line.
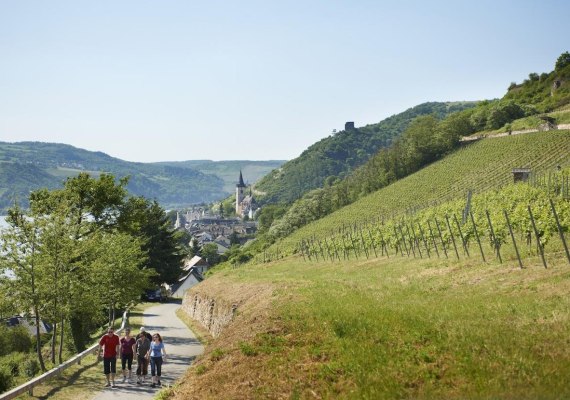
column 480, row 166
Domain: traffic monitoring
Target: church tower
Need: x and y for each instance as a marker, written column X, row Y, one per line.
column 240, row 187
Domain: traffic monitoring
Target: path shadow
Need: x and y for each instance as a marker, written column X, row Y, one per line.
column 71, row 381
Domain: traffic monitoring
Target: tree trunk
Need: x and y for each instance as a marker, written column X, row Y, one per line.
column 38, row 339
column 61, row 335
column 78, row 332
column 53, row 343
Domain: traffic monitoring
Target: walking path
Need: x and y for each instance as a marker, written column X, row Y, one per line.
column 181, row 349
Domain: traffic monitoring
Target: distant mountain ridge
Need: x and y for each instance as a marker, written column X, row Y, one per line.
column 27, row 166
column 335, row 156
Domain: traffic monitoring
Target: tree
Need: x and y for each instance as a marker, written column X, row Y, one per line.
column 148, row 221
column 562, row 61
column 20, row 247
column 115, row 264
column 210, row 253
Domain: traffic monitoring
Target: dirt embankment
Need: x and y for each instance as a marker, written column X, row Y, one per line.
column 234, row 314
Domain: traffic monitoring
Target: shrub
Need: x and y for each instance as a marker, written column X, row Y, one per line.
column 16, row 339
column 31, row 366
column 6, row 379
column 13, row 363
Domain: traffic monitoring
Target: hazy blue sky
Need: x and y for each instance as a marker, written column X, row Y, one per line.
column 180, row 80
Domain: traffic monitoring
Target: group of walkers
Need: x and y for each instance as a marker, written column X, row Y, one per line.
column 146, row 347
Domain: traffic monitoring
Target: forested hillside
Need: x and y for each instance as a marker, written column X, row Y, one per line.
column 334, row 157
column 27, row 166
column 427, row 139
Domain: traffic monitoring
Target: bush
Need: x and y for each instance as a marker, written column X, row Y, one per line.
column 13, row 363
column 16, row 339
column 31, row 366
column 6, row 379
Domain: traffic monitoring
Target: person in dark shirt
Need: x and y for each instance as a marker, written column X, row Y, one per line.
column 141, row 348
column 127, row 343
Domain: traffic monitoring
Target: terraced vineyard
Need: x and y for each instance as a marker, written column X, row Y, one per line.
column 478, row 167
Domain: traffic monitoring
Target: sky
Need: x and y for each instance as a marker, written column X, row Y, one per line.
column 175, row 80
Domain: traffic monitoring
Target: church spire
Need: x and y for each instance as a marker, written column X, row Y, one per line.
column 240, row 184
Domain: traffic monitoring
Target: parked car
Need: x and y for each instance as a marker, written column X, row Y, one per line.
column 153, row 295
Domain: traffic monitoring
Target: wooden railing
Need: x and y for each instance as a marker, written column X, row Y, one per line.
column 29, row 386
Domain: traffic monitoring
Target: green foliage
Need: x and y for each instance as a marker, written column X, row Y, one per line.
column 425, row 140
column 15, row 339
column 479, row 167
column 6, row 378
column 549, row 92
column 562, row 62
column 338, row 155
column 28, row 166
column 210, row 253
column 147, row 220
column 268, row 214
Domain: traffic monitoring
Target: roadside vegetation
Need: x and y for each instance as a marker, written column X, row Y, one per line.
column 78, row 257
column 80, row 382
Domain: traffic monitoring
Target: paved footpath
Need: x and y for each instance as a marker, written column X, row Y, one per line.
column 181, row 348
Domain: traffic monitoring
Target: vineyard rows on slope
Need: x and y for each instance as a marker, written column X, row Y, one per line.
column 478, row 167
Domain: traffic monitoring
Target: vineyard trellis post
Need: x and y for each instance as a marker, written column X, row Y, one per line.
column 416, row 241
column 513, row 238
column 356, row 254
column 372, row 243
column 493, row 238
column 404, row 240
column 540, row 249
column 477, row 236
column 384, row 246
column 560, row 231
column 441, row 237
column 424, row 240
column 410, row 240
column 315, row 249
column 363, row 245
column 345, row 252
column 463, row 240
column 452, row 236
column 433, row 239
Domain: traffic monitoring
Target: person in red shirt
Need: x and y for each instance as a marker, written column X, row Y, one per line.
column 112, row 347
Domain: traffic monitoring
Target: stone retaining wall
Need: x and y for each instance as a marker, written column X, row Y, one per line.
column 213, row 314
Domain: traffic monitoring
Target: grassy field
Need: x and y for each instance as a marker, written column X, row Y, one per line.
column 81, row 382
column 392, row 328
column 399, row 327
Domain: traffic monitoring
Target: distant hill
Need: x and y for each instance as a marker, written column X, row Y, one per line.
column 227, row 170
column 26, row 166
column 335, row 156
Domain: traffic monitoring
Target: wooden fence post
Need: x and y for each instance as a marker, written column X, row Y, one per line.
column 452, row 237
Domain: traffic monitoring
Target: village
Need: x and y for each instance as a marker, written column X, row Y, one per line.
column 206, row 228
